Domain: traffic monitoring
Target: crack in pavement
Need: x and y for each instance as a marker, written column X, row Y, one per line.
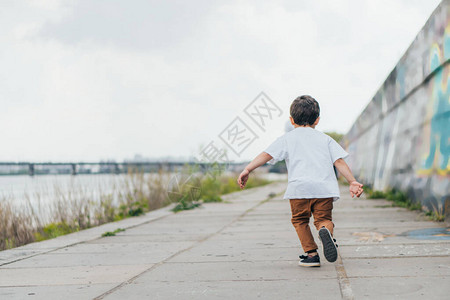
column 344, row 282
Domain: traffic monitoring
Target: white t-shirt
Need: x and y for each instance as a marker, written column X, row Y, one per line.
column 309, row 155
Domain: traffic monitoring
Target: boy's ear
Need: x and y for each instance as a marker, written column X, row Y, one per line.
column 292, row 120
column 317, row 121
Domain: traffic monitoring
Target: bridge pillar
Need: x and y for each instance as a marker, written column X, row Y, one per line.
column 116, row 169
column 31, row 169
column 74, row 169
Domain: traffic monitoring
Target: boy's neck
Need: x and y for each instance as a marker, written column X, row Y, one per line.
column 311, row 126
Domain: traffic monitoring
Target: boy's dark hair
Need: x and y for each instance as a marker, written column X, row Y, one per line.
column 305, row 110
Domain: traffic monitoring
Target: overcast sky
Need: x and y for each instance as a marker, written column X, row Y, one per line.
column 104, row 79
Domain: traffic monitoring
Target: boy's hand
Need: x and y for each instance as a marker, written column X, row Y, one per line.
column 355, row 189
column 242, row 179
column 258, row 161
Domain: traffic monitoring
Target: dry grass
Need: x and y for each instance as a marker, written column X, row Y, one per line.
column 78, row 209
column 14, row 226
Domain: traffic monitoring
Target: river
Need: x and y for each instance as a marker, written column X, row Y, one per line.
column 19, row 189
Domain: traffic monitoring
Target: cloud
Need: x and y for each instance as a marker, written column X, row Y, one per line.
column 89, row 80
column 138, row 26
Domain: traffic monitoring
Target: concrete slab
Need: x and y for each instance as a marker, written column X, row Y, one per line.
column 136, row 237
column 171, row 231
column 258, row 227
column 267, row 216
column 229, row 271
column 210, row 253
column 265, row 240
column 378, row 215
column 240, row 289
column 373, row 236
column 79, row 258
column 270, row 235
column 11, row 277
column 144, row 248
column 17, row 254
column 418, row 249
column 255, row 242
column 201, row 217
column 106, row 254
column 45, row 292
column 388, row 230
column 178, row 228
column 410, row 288
column 398, row 267
column 386, row 225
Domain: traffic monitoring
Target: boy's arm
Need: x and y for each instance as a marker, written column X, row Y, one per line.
column 258, row 161
column 355, row 187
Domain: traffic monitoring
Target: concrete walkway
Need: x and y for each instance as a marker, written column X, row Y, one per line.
column 245, row 248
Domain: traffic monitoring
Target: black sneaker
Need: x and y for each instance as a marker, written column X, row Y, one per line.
column 329, row 247
column 309, row 261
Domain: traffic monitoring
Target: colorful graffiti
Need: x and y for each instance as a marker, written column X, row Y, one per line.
column 402, row 138
column 439, row 143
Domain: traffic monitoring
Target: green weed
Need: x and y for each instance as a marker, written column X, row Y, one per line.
column 400, row 199
column 53, row 230
column 112, row 233
column 185, row 204
column 209, row 187
column 437, row 214
column 373, row 194
column 377, row 195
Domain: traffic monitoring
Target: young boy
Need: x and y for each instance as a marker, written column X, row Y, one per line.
column 312, row 185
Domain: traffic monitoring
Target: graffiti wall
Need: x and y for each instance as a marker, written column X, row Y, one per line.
column 402, row 138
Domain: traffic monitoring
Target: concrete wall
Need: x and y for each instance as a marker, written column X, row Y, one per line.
column 402, row 138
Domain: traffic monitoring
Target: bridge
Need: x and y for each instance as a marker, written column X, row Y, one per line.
column 74, row 168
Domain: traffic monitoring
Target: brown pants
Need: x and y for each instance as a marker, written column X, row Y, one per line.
column 301, row 212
